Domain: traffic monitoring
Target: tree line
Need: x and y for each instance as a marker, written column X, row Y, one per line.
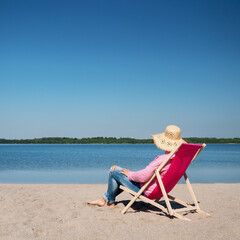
column 108, row 140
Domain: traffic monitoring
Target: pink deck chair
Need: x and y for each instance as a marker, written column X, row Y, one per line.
column 183, row 155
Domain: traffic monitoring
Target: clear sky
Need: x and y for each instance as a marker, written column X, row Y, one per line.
column 119, row 68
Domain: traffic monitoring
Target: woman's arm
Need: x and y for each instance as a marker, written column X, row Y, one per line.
column 145, row 174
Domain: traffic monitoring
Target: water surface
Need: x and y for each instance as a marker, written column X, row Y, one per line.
column 80, row 163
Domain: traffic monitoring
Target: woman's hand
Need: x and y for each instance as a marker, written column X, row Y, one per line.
column 125, row 171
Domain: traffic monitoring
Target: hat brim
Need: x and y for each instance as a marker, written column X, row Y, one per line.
column 164, row 143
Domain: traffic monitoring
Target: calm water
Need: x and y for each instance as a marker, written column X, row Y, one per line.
column 56, row 163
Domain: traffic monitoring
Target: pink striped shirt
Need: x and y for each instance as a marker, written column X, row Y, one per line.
column 145, row 174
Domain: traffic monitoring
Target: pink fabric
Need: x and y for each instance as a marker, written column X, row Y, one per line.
column 178, row 167
column 144, row 175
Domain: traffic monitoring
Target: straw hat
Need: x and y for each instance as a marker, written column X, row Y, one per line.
column 169, row 139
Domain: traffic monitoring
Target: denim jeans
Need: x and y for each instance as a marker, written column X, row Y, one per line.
column 116, row 179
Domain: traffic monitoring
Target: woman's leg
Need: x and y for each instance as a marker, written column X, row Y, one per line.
column 116, row 178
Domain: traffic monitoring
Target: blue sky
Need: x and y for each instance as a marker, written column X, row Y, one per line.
column 119, row 68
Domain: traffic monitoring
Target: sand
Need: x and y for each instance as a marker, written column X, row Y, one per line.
column 59, row 211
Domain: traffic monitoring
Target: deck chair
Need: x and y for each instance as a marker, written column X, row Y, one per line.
column 182, row 155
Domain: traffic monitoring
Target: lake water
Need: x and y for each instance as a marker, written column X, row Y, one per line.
column 80, row 163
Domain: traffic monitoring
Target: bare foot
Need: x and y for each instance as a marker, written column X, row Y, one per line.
column 99, row 202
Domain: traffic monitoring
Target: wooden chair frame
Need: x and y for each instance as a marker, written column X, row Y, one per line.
column 169, row 210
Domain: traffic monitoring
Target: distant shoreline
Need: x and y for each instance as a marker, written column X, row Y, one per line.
column 111, row 140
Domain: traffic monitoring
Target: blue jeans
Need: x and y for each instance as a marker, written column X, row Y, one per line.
column 116, row 179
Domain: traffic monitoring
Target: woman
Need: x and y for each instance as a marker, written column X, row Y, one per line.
column 135, row 180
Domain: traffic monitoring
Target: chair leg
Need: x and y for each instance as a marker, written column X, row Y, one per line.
column 135, row 196
column 129, row 204
column 193, row 196
column 164, row 194
column 191, row 192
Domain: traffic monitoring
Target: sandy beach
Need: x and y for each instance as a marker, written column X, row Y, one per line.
column 59, row 211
